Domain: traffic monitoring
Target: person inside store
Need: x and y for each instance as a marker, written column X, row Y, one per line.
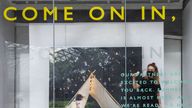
column 149, row 88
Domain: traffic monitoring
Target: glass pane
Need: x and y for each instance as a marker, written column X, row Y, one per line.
column 90, row 56
column 24, row 51
column 82, row 53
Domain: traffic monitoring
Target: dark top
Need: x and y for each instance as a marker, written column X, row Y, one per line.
column 148, row 91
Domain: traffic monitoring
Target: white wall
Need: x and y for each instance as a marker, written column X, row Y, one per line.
column 40, row 42
column 6, row 70
column 87, row 35
column 172, row 73
column 187, row 52
column 151, row 38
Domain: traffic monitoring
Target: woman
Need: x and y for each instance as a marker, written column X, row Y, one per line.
column 149, row 88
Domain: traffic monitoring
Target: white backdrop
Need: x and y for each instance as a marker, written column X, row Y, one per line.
column 149, row 36
column 173, row 73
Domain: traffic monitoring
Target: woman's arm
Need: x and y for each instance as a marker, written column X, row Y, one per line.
column 159, row 99
column 135, row 85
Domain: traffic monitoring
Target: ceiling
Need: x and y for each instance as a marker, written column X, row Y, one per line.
column 84, row 4
column 97, row 1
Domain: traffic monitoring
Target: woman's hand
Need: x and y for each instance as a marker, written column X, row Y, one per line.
column 135, row 74
column 135, row 85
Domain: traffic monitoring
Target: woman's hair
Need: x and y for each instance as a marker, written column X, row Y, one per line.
column 79, row 97
column 156, row 77
column 154, row 66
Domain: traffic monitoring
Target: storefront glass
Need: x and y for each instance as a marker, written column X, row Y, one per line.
column 82, row 54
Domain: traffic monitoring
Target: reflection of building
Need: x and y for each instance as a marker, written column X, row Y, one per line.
column 94, row 88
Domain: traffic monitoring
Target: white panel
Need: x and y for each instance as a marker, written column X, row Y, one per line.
column 95, row 35
column 87, row 35
column 173, row 73
column 40, row 36
column 150, row 36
